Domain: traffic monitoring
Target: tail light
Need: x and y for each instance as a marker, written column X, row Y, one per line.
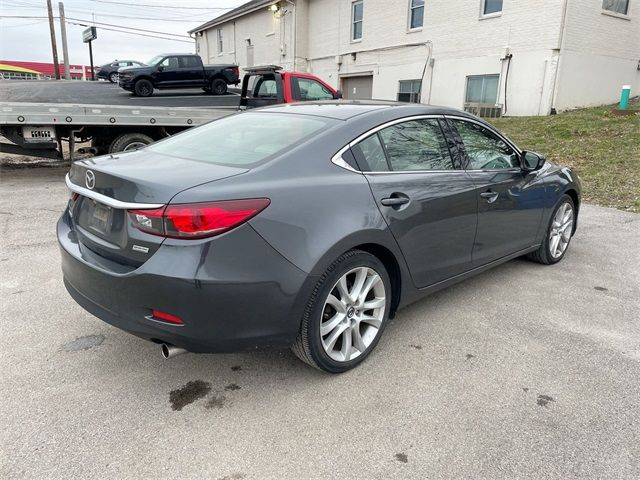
column 166, row 317
column 197, row 220
column 235, row 71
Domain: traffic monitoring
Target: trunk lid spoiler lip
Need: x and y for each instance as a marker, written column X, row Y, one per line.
column 112, row 202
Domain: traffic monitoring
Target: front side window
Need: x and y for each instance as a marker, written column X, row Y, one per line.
column 307, row 89
column 357, row 10
column 491, row 6
column 416, row 13
column 409, row 91
column 244, row 139
column 617, row 6
column 169, row 62
column 482, row 89
column 220, row 41
column 415, row 145
column 484, row 149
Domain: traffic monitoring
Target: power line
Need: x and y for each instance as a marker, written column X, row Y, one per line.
column 182, row 19
column 161, row 6
column 128, row 28
column 91, row 22
column 86, row 23
column 133, row 33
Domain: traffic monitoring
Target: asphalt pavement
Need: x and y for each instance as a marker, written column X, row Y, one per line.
column 526, row 371
column 105, row 93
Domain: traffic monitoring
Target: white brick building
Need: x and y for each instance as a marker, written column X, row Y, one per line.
column 526, row 57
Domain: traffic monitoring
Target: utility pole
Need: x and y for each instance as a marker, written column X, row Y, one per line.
column 54, row 49
column 65, row 48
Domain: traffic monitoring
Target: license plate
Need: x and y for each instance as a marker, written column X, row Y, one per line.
column 39, row 134
column 99, row 219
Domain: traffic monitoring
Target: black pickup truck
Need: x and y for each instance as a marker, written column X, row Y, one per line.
column 177, row 70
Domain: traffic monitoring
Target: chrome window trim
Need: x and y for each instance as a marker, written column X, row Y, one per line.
column 112, row 202
column 340, row 162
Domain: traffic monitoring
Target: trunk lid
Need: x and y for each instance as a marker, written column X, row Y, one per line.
column 109, row 186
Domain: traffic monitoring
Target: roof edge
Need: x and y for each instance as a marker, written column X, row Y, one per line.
column 244, row 9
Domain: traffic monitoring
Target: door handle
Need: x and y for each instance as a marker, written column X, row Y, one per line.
column 490, row 196
column 395, row 200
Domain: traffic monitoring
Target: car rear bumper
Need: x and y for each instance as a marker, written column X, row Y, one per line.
column 233, row 293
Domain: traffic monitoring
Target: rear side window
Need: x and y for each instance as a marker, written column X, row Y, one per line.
column 188, row 62
column 415, row 145
column 244, row 139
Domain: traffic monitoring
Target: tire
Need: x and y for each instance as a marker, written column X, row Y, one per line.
column 129, row 142
column 218, row 86
column 143, row 88
column 544, row 254
column 113, row 77
column 354, row 321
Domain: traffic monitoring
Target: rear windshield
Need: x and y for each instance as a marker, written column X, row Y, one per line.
column 244, row 139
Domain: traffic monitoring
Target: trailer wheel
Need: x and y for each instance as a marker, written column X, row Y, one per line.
column 143, row 88
column 129, row 142
column 218, row 86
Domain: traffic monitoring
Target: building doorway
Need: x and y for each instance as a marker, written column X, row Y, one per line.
column 357, row 88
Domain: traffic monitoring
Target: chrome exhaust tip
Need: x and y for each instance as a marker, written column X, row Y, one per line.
column 169, row 351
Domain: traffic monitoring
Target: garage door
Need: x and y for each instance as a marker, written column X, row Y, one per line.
column 357, row 88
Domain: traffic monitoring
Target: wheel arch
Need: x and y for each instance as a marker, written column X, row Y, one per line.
column 378, row 244
column 576, row 203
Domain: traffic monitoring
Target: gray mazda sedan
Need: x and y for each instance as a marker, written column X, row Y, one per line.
column 305, row 226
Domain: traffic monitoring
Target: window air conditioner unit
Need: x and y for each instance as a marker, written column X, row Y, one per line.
column 484, row 110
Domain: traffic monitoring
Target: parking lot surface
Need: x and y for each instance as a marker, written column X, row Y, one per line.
column 105, row 93
column 524, row 371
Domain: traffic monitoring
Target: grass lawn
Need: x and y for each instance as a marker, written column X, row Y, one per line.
column 605, row 150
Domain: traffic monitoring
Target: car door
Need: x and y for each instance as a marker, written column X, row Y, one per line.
column 510, row 200
column 429, row 204
column 191, row 72
column 166, row 74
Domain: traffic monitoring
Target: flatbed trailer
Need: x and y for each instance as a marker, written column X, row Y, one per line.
column 38, row 129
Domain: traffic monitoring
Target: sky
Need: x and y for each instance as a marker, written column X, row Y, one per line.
column 28, row 39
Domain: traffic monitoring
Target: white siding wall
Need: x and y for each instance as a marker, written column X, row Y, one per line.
column 600, row 54
column 271, row 37
column 463, row 44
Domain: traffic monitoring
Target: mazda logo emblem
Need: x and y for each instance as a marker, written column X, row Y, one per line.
column 90, row 179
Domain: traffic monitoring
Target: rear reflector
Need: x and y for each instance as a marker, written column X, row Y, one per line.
column 166, row 317
column 197, row 220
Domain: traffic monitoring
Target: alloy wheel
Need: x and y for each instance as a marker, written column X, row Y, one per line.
column 561, row 230
column 352, row 314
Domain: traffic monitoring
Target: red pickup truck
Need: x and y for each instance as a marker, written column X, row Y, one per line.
column 268, row 85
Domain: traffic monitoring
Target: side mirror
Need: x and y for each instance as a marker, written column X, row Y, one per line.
column 531, row 161
column 339, row 94
column 160, row 68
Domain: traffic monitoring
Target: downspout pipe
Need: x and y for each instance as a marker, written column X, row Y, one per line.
column 560, row 49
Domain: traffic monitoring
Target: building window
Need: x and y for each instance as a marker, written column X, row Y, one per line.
column 416, row 13
column 617, row 6
column 409, row 91
column 357, row 9
column 220, row 41
column 482, row 89
column 490, row 7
